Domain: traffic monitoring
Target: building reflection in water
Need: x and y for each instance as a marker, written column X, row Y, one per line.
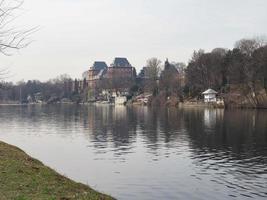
column 211, row 116
column 225, row 149
column 120, row 126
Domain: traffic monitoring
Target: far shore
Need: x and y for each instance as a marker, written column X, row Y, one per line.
column 185, row 104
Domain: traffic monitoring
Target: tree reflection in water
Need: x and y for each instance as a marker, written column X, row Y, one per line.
column 170, row 149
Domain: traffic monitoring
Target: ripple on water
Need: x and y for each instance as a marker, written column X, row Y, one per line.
column 143, row 153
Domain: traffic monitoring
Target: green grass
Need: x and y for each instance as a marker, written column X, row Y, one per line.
column 25, row 178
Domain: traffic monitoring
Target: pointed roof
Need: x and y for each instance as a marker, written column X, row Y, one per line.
column 121, row 62
column 99, row 65
column 210, row 91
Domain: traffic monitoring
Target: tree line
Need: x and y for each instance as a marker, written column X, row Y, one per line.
column 243, row 67
column 52, row 90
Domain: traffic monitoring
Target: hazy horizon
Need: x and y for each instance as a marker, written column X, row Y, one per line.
column 74, row 34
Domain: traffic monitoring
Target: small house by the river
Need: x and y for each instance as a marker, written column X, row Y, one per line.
column 210, row 96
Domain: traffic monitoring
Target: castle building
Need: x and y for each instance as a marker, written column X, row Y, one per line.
column 120, row 68
column 117, row 77
column 95, row 73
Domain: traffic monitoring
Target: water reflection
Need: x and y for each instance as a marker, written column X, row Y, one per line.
column 230, row 148
column 148, row 153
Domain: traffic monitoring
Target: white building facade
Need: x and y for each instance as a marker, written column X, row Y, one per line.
column 210, row 96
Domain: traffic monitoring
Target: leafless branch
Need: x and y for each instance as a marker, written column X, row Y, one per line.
column 4, row 74
column 11, row 38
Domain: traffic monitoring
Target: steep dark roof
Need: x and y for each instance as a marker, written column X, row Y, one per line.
column 169, row 66
column 121, row 62
column 143, row 73
column 99, row 65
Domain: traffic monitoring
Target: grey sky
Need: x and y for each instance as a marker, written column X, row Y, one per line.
column 74, row 33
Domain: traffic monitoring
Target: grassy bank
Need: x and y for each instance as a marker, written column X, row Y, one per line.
column 24, row 178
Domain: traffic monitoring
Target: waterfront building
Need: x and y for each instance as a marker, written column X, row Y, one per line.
column 95, row 73
column 210, row 96
column 120, row 69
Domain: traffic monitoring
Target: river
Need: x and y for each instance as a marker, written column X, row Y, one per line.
column 147, row 153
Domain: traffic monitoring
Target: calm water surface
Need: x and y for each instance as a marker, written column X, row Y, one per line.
column 143, row 153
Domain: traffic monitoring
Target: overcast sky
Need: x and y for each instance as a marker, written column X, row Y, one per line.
column 75, row 33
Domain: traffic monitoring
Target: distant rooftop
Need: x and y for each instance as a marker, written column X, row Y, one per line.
column 210, row 91
column 99, row 65
column 120, row 62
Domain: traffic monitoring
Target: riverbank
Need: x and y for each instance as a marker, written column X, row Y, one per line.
column 25, row 178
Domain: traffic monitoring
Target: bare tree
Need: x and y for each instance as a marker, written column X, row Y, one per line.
column 206, row 70
column 152, row 71
column 169, row 80
column 3, row 74
column 153, row 68
column 262, row 40
column 219, row 51
column 250, row 70
column 248, row 46
column 11, row 38
column 180, row 66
